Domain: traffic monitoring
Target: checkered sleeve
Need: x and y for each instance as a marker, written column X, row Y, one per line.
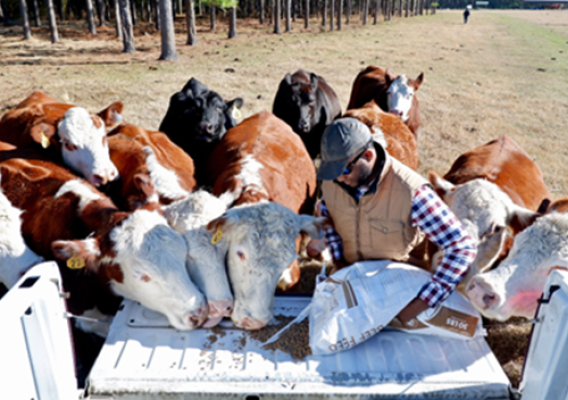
column 442, row 227
column 332, row 239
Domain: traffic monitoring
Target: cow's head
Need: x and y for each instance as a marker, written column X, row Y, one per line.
column 144, row 260
column 206, row 256
column 302, row 108
column 401, row 92
column 200, row 113
column 481, row 205
column 512, row 289
column 82, row 139
column 261, row 244
column 15, row 256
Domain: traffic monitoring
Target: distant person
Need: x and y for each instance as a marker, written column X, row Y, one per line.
column 465, row 15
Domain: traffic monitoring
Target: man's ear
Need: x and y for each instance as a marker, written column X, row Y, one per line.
column 77, row 254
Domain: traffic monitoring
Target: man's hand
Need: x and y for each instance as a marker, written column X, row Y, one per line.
column 414, row 308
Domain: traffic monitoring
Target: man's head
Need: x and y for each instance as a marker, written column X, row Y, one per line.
column 347, row 152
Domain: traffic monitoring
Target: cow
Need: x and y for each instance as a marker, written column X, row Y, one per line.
column 206, row 258
column 496, row 184
column 196, row 119
column 392, row 94
column 148, row 162
column 261, row 244
column 68, row 133
column 15, row 255
column 513, row 288
column 308, row 104
column 102, row 251
column 398, row 140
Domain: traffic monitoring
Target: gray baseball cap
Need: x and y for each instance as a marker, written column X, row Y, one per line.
column 341, row 140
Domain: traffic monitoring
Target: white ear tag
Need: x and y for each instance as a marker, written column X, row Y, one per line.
column 236, row 114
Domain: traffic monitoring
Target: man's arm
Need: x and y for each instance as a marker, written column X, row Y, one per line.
column 441, row 226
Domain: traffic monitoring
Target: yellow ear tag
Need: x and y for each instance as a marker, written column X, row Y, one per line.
column 216, row 238
column 75, row 262
column 44, row 140
column 236, row 113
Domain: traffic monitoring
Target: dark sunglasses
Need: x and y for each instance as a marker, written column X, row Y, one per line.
column 349, row 168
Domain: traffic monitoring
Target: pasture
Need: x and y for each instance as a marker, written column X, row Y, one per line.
column 505, row 72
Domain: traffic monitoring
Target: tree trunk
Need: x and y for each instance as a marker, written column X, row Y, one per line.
column 190, row 21
column 37, row 21
column 271, row 11
column 365, row 11
column 91, row 17
column 349, row 10
column 288, row 15
column 148, row 6
column 376, row 17
column 52, row 22
column 25, row 20
column 212, row 16
column 331, row 14
column 127, row 33
column 167, row 33
column 407, row 8
column 59, row 5
column 339, row 14
column 157, row 13
column 276, row 13
column 101, row 10
column 307, row 14
column 233, row 23
column 399, row 8
column 5, row 13
column 324, row 14
column 118, row 19
column 133, row 12
column 261, row 16
column 200, row 8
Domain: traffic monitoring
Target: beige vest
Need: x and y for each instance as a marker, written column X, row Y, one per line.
column 379, row 227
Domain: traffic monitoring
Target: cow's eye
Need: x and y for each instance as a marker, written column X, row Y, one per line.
column 241, row 255
column 68, row 145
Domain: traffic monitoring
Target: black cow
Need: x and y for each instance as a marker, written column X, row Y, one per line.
column 196, row 120
column 306, row 102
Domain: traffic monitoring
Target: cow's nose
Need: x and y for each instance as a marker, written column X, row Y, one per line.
column 97, row 180
column 206, row 127
column 396, row 112
column 198, row 317
column 481, row 294
column 304, row 127
column 251, row 324
column 221, row 308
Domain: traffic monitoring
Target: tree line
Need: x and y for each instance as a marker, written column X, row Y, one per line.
column 124, row 14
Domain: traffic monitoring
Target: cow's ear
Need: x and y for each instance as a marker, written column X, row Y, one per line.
column 441, row 186
column 235, row 103
column 521, row 218
column 45, row 135
column 77, row 254
column 418, row 81
column 219, row 226
column 288, row 79
column 145, row 185
column 389, row 78
column 315, row 227
column 314, row 80
column 112, row 115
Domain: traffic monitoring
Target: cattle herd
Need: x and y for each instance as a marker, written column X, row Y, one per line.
column 203, row 219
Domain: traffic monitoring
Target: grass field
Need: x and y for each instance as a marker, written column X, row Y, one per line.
column 505, row 72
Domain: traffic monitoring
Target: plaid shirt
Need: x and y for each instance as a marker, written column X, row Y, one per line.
column 440, row 226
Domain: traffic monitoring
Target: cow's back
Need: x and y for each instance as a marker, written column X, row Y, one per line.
column 505, row 163
column 267, row 144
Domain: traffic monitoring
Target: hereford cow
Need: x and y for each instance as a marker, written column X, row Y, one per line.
column 148, row 162
column 308, row 104
column 197, row 118
column 398, row 141
column 15, row 256
column 261, row 239
column 66, row 132
column 396, row 95
column 513, row 288
column 137, row 255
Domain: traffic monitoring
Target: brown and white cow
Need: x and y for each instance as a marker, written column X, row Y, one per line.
column 64, row 131
column 494, row 185
column 15, row 256
column 148, row 162
column 513, row 288
column 396, row 95
column 137, row 255
column 399, row 141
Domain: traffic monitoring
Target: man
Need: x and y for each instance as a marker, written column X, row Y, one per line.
column 382, row 209
column 465, row 15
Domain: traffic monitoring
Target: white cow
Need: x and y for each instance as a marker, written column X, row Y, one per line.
column 15, row 256
column 261, row 242
column 512, row 289
column 205, row 258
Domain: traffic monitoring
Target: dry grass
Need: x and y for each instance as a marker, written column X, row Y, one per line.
column 502, row 73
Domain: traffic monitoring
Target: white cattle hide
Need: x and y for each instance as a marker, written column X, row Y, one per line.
column 84, row 146
column 261, row 241
column 512, row 289
column 15, row 256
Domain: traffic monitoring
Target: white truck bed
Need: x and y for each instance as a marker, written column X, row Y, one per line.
column 144, row 358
